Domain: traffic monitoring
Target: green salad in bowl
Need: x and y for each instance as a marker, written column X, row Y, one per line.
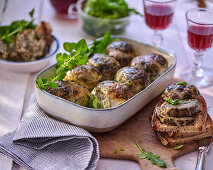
column 100, row 16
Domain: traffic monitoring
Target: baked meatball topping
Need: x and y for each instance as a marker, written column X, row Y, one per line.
column 111, row 94
column 106, row 65
column 135, row 77
column 71, row 91
column 182, row 91
column 121, row 51
column 84, row 75
column 153, row 64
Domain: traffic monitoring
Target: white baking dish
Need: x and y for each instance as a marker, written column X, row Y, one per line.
column 102, row 120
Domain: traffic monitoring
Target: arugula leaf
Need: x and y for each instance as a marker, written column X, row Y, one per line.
column 155, row 159
column 173, row 102
column 141, row 155
column 121, row 149
column 178, row 146
column 99, row 46
column 31, row 13
column 93, row 101
column 181, row 83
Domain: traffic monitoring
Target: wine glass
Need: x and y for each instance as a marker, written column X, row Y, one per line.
column 200, row 39
column 3, row 7
column 158, row 16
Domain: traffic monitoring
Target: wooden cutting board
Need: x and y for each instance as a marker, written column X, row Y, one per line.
column 138, row 127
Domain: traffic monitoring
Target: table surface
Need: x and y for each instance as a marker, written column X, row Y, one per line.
column 16, row 89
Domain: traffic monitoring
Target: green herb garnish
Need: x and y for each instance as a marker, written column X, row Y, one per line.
column 115, row 151
column 77, row 54
column 173, row 102
column 121, row 149
column 93, row 101
column 181, row 83
column 155, row 159
column 178, row 146
column 9, row 32
column 99, row 46
column 45, row 83
column 109, row 9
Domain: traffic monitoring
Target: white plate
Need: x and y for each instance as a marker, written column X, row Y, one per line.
column 31, row 66
column 102, row 120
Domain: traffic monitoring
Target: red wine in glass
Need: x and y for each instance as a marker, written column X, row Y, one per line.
column 61, row 6
column 158, row 16
column 200, row 38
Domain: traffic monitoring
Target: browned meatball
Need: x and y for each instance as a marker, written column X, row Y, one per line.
column 121, row 51
column 71, row 91
column 29, row 45
column 153, row 64
column 134, row 77
column 108, row 66
column 111, row 94
column 182, row 91
column 84, row 75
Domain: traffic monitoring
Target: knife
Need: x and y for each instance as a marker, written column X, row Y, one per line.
column 204, row 145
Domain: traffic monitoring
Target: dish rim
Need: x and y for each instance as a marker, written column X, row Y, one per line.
column 113, row 108
column 47, row 56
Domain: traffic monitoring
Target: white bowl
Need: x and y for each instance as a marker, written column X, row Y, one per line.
column 102, row 120
column 31, row 66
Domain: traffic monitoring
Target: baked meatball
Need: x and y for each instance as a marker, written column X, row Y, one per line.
column 111, row 94
column 9, row 51
column 153, row 64
column 135, row 77
column 84, row 75
column 181, row 91
column 71, row 91
column 30, row 45
column 121, row 51
column 107, row 66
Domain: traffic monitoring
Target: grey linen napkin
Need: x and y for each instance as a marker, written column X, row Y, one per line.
column 43, row 143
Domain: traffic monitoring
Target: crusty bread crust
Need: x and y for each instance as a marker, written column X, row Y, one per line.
column 197, row 126
column 168, row 141
column 179, row 134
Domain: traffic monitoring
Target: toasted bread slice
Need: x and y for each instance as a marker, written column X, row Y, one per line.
column 169, row 141
column 197, row 126
column 179, row 134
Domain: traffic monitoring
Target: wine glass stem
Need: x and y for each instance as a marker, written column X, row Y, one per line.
column 197, row 64
column 157, row 39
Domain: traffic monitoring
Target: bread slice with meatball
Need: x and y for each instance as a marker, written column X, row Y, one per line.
column 196, row 126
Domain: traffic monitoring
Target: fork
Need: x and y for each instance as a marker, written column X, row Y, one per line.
column 204, row 145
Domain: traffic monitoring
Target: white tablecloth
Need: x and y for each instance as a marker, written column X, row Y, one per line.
column 16, row 88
